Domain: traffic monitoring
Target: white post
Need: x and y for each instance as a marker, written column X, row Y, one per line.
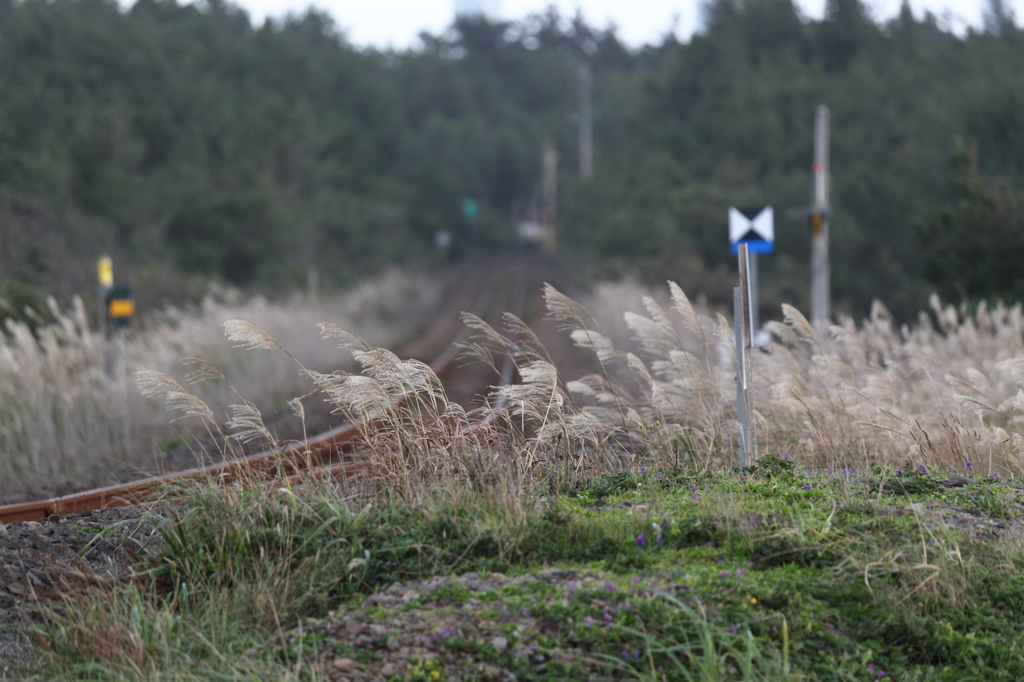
column 744, row 382
column 586, row 121
column 820, row 269
column 755, row 322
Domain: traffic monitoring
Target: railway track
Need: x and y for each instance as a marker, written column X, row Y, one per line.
column 499, row 288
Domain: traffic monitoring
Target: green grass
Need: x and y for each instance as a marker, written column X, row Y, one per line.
column 775, row 573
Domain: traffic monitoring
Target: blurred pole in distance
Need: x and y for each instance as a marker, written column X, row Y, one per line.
column 820, row 209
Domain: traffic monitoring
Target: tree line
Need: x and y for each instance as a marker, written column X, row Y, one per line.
column 197, row 146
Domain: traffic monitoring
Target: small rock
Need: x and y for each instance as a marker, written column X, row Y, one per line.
column 344, row 665
column 393, row 644
column 408, row 596
column 378, row 630
column 389, row 670
column 16, row 588
column 500, row 643
column 492, row 671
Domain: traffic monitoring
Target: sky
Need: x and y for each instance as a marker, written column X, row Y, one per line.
column 397, row 23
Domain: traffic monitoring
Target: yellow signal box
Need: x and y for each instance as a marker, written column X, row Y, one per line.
column 816, row 219
column 120, row 306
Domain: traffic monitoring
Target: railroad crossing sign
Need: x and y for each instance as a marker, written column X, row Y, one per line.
column 754, row 227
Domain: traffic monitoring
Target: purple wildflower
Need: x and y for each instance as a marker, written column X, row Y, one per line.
column 922, row 467
column 588, row 622
column 526, row 613
column 807, row 487
column 444, row 633
column 634, row 580
column 725, row 574
column 608, row 617
column 970, row 467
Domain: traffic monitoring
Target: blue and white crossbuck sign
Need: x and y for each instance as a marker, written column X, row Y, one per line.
column 753, row 226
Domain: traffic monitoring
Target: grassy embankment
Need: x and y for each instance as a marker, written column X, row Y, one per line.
column 870, row 559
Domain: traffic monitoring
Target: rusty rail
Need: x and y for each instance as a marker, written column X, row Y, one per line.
column 277, row 464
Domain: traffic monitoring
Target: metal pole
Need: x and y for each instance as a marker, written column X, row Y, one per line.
column 755, row 322
column 586, row 122
column 820, row 269
column 105, row 282
column 737, row 331
column 744, row 379
column 105, row 279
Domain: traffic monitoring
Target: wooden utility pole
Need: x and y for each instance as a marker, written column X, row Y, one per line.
column 820, row 212
column 586, row 121
column 742, row 313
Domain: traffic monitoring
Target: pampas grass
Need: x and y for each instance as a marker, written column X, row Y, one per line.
column 943, row 392
column 64, row 424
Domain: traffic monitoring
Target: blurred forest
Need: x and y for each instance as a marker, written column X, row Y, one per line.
column 197, row 147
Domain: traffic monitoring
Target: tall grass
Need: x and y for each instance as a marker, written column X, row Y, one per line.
column 942, row 393
column 65, row 423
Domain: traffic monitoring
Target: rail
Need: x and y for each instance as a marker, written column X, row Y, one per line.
column 284, row 463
